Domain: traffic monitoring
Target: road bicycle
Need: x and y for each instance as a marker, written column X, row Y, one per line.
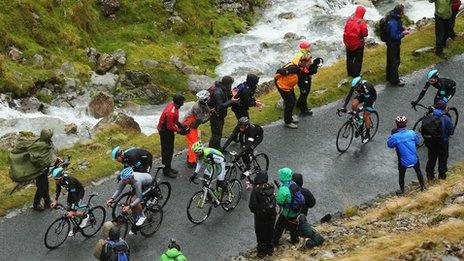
column 59, row 229
column 259, row 161
column 354, row 127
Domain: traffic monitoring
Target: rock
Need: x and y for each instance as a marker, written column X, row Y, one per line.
column 169, row 5
column 92, row 54
column 70, row 128
column 459, row 200
column 291, row 36
column 101, row 105
column 105, row 62
column 422, row 51
column 428, row 245
column 120, row 119
column 15, row 54
column 128, row 105
column 287, row 15
column 8, row 141
column 175, row 19
column 31, row 104
column 197, row 82
column 120, row 56
column 449, row 258
column 423, row 22
column 343, row 82
column 106, row 82
column 138, row 78
column 264, row 45
column 45, row 92
column 109, row 7
column 38, row 59
column 150, row 64
column 67, row 68
column 370, row 42
column 327, row 255
column 83, row 164
column 153, row 93
column 232, row 6
column 71, row 84
column 174, row 60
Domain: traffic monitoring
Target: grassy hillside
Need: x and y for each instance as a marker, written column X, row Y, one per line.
column 61, row 30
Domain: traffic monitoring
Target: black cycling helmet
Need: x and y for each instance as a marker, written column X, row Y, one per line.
column 173, row 244
column 178, row 99
column 114, row 234
column 252, row 81
column 243, row 122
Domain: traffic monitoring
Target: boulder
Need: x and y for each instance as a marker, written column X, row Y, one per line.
column 291, row 36
column 423, row 50
column 70, row 128
column 197, row 82
column 370, row 42
column 31, row 104
column 149, row 64
column 137, row 78
column 8, row 141
column 153, row 93
column 423, row 22
column 169, row 5
column 101, row 105
column 174, row 60
column 106, row 82
column 120, row 119
column 105, row 62
column 71, row 84
column 92, row 53
column 120, row 56
column 67, row 68
column 38, row 59
column 15, row 54
column 109, row 7
column 287, row 15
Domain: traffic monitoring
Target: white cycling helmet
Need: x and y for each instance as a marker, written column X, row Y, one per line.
column 203, row 95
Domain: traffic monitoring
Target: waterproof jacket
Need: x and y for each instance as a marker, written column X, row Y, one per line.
column 405, row 141
column 245, row 96
column 135, row 158
column 284, row 195
column 257, row 197
column 169, row 118
column 173, row 255
column 310, row 201
column 220, row 101
column 287, row 77
column 301, row 52
column 355, row 30
column 395, row 28
column 446, row 126
column 198, row 114
column 442, row 8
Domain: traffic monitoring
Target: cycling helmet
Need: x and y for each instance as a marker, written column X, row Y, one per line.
column 114, row 234
column 126, row 173
column 197, row 147
column 401, row 121
column 432, row 74
column 203, row 96
column 116, row 152
column 243, row 122
column 57, row 172
column 356, row 81
column 304, row 44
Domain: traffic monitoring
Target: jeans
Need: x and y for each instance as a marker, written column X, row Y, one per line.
column 307, row 231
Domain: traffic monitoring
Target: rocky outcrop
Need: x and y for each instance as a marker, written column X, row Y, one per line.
column 109, row 7
column 287, row 15
column 70, row 128
column 31, row 104
column 197, row 83
column 105, row 62
column 101, row 105
column 15, row 54
column 291, row 36
column 119, row 119
column 135, row 79
column 423, row 50
column 151, row 93
column 106, row 82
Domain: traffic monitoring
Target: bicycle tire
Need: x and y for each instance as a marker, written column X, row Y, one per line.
column 230, row 206
column 416, row 129
column 67, row 227
column 231, row 173
column 151, row 222
column 456, row 116
column 375, row 125
column 123, row 227
column 116, row 206
column 259, row 161
column 347, row 126
column 196, row 204
column 94, row 222
column 164, row 198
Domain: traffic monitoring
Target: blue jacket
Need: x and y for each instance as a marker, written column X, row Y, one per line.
column 395, row 28
column 446, row 125
column 405, row 142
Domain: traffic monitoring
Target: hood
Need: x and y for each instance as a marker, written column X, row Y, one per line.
column 298, row 179
column 394, row 14
column 360, row 12
column 285, row 174
column 261, row 177
column 252, row 81
column 173, row 253
column 438, row 113
column 46, row 135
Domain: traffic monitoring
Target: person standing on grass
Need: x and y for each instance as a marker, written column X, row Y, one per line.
column 353, row 38
column 454, row 9
column 245, row 94
column 405, row 141
column 443, row 24
column 396, row 32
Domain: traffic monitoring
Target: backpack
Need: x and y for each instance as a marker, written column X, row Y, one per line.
column 268, row 202
column 431, row 127
column 383, row 27
column 117, row 251
column 298, row 199
column 211, row 90
column 351, row 33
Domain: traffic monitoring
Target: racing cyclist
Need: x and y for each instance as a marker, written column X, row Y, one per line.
column 367, row 95
column 140, row 160
column 140, row 182
column 446, row 88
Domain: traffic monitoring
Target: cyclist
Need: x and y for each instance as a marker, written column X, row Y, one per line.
column 140, row 160
column 445, row 88
column 250, row 136
column 367, row 95
column 76, row 193
column 139, row 182
column 214, row 162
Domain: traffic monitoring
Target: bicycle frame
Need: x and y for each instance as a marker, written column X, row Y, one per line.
column 208, row 190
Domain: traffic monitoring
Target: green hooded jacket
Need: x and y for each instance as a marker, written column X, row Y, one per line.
column 173, row 255
column 284, row 196
column 443, row 8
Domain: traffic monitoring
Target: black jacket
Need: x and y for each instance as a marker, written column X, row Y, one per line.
column 252, row 136
column 257, row 198
column 220, row 101
column 137, row 158
column 245, row 96
column 310, row 201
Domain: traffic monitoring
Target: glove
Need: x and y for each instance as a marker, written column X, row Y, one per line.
column 342, row 110
column 193, row 177
column 282, row 71
column 184, row 131
column 318, row 61
column 413, row 103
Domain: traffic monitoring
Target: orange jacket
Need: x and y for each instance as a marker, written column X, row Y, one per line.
column 287, row 77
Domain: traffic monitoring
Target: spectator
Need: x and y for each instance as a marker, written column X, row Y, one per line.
column 245, row 93
column 173, row 253
column 263, row 206
column 438, row 145
column 168, row 125
column 454, row 8
column 220, row 99
column 396, row 32
column 443, row 24
column 115, row 247
column 305, row 50
column 304, row 228
column 353, row 38
column 304, row 84
column 405, row 142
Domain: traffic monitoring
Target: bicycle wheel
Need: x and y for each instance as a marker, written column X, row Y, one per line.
column 116, row 209
column 57, row 233
column 375, row 124
column 154, row 216
column 260, row 162
column 233, row 196
column 231, row 172
column 416, row 128
column 97, row 216
column 163, row 193
column 345, row 136
column 454, row 115
column 199, row 208
column 123, row 226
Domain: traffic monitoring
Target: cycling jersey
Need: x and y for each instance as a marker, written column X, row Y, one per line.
column 141, row 182
column 138, row 159
column 214, row 162
column 367, row 95
column 75, row 191
column 445, row 90
column 252, row 136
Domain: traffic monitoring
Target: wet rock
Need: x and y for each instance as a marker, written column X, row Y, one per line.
column 120, row 56
column 197, row 82
column 422, row 51
column 105, row 62
column 291, row 36
column 8, row 141
column 120, row 119
column 109, row 7
column 423, row 22
column 137, row 78
column 92, row 53
column 149, row 64
column 106, row 82
column 15, row 54
column 71, row 84
column 101, row 105
column 264, row 45
column 70, row 128
column 449, row 258
column 38, row 59
column 31, row 104
column 287, row 15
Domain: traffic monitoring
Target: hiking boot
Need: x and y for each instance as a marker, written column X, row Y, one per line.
column 291, row 125
column 397, row 84
column 295, row 120
column 306, row 113
column 170, row 175
column 38, row 208
column 399, row 193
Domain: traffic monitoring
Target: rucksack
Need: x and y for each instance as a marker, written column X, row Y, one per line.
column 298, row 199
column 431, row 127
column 383, row 27
column 212, row 91
column 351, row 33
column 268, row 202
column 117, row 251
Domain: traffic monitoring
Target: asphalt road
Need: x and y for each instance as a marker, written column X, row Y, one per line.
column 337, row 181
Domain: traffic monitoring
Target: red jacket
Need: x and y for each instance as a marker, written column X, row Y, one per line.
column 455, row 5
column 169, row 118
column 355, row 30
